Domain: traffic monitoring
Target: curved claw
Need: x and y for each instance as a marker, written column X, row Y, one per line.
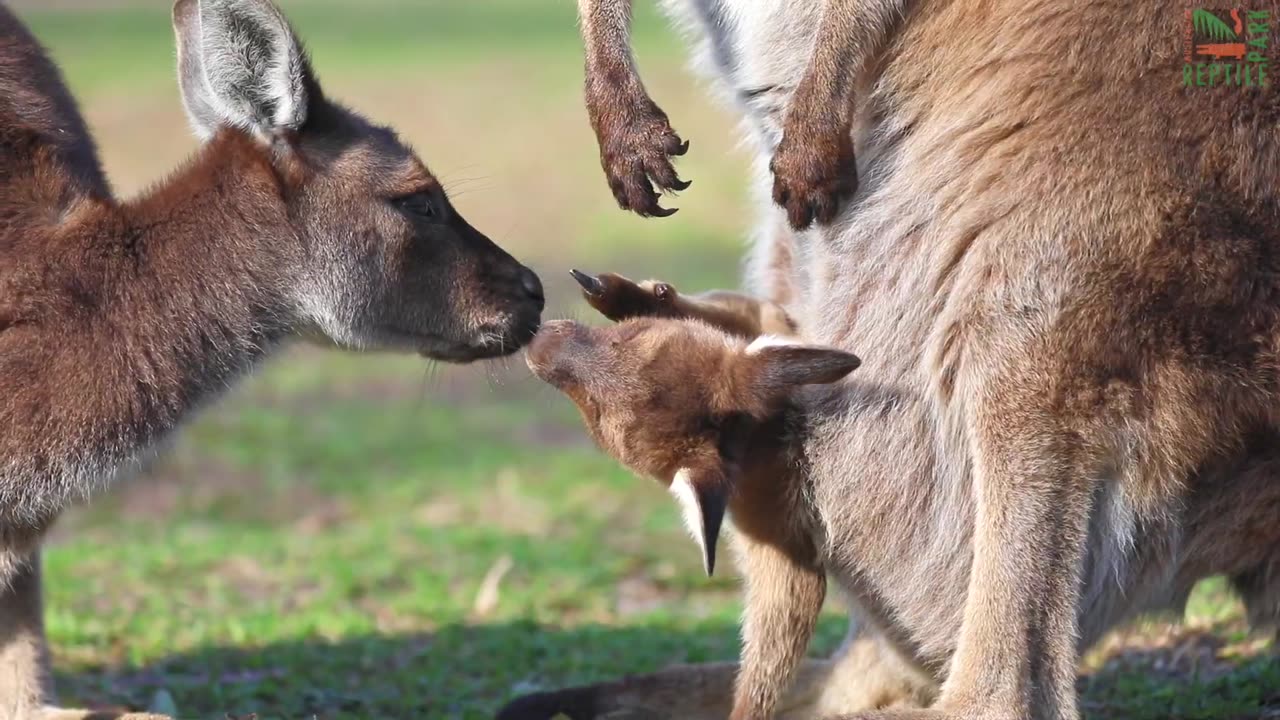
column 679, row 184
column 590, row 283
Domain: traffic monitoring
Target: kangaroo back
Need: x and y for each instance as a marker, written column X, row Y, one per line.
column 48, row 154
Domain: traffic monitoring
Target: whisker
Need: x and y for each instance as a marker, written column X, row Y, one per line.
column 430, row 380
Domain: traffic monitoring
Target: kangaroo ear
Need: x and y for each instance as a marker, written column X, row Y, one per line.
column 240, row 65
column 774, row 366
column 703, row 495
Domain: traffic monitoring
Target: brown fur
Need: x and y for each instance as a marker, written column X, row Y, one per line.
column 757, row 445
column 118, row 319
column 618, row 298
column 733, row 426
column 814, row 168
column 636, row 138
column 1064, row 274
column 814, row 165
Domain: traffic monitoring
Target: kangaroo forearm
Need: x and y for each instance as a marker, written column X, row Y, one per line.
column 606, row 34
column 850, row 32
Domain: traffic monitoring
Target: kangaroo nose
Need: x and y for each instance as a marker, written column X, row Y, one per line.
column 532, row 286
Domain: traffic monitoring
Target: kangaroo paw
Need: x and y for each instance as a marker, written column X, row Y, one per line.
column 618, row 298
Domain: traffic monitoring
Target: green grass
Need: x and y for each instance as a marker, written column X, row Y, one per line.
column 317, row 543
column 119, row 44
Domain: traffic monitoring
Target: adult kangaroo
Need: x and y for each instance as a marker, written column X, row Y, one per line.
column 296, row 218
column 1062, row 273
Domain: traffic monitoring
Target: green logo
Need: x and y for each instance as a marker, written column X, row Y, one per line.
column 1206, row 23
column 1227, row 47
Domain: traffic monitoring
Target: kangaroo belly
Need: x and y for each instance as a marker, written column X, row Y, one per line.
column 973, row 235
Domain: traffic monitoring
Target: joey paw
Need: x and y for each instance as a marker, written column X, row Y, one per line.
column 814, row 172
column 619, row 298
column 637, row 145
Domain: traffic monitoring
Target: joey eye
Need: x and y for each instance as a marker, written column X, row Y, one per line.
column 420, row 205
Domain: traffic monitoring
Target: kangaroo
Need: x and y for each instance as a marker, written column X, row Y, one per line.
column 813, row 164
column 720, row 438
column 1067, row 407
column 297, row 218
column 683, row 396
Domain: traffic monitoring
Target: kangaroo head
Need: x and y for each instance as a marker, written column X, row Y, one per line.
column 678, row 401
column 383, row 260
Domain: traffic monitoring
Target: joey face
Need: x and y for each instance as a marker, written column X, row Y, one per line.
column 378, row 257
column 677, row 401
column 647, row 389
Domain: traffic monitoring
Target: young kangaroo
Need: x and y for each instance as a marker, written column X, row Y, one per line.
column 813, row 164
column 702, row 403
column 296, row 218
column 685, row 397
column 723, row 436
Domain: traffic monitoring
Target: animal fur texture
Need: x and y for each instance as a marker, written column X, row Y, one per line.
column 119, row 319
column 1060, row 270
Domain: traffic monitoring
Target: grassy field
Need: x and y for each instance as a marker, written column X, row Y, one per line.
column 369, row 537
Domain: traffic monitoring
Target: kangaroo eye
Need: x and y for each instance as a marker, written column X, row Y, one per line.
column 418, row 204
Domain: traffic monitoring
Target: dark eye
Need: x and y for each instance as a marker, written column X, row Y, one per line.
column 420, row 205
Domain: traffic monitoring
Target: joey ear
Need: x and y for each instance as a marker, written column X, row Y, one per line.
column 703, row 496
column 775, row 366
column 240, row 65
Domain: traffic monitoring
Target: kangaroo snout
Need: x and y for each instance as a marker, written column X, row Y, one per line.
column 529, row 303
column 532, row 287
column 545, row 355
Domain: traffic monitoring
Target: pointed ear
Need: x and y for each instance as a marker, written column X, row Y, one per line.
column 703, row 495
column 775, row 366
column 240, row 65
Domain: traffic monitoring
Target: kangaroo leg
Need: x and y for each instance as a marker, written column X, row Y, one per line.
column 1231, row 529
column 25, row 680
column 814, row 166
column 619, row 298
column 1016, row 654
column 26, row 674
column 635, row 136
column 867, row 674
column 785, row 589
column 863, row 675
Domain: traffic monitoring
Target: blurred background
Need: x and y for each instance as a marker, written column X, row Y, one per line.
column 354, row 536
